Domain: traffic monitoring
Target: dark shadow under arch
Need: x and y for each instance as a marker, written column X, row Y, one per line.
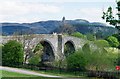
column 48, row 53
column 69, row 48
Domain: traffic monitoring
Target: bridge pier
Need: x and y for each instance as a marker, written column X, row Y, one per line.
column 56, row 42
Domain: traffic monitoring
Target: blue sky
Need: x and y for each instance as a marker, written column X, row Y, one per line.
column 26, row 11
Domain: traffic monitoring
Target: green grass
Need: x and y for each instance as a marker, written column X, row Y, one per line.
column 14, row 74
column 62, row 74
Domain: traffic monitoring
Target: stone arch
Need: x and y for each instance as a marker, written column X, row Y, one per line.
column 69, row 48
column 48, row 51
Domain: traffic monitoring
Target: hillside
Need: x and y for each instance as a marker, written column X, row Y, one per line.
column 46, row 27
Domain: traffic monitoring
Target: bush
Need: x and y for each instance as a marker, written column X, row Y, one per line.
column 91, row 37
column 100, row 61
column 113, row 41
column 76, row 61
column 78, row 34
column 102, row 43
column 37, row 56
column 12, row 53
column 35, row 60
column 86, row 48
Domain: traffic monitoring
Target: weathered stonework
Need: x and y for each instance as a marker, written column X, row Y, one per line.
column 56, row 42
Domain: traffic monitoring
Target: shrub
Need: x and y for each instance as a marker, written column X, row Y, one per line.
column 35, row 60
column 86, row 48
column 78, row 34
column 113, row 41
column 12, row 53
column 101, row 43
column 76, row 61
column 91, row 37
column 37, row 56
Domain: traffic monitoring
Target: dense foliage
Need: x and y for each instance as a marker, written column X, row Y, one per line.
column 12, row 53
column 89, row 58
column 102, row 43
column 113, row 41
column 76, row 61
column 78, row 34
column 37, row 56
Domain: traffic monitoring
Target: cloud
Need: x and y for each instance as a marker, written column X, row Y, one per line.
column 91, row 14
column 63, row 0
column 22, row 8
column 16, row 9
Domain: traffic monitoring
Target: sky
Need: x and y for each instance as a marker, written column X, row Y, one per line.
column 27, row 11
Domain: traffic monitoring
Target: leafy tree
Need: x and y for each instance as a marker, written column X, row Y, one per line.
column 100, row 60
column 38, row 48
column 108, row 16
column 35, row 60
column 78, row 34
column 1, row 54
column 118, row 37
column 91, row 37
column 86, row 48
column 12, row 53
column 27, row 38
column 101, row 43
column 113, row 41
column 37, row 56
column 76, row 61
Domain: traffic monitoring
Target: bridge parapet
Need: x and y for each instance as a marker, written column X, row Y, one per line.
column 56, row 41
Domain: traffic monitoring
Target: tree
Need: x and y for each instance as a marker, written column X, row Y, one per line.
column 78, row 34
column 76, row 61
column 101, row 43
column 118, row 37
column 37, row 56
column 86, row 48
column 12, row 53
column 91, row 37
column 113, row 41
column 27, row 37
column 65, row 27
column 108, row 16
column 35, row 60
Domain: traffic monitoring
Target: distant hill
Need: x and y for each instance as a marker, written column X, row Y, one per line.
column 47, row 27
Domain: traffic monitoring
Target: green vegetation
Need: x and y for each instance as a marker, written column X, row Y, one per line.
column 78, row 34
column 108, row 16
column 76, row 61
column 113, row 41
column 86, row 48
column 12, row 52
column 95, row 55
column 91, row 37
column 36, row 58
column 93, row 60
column 102, row 43
column 14, row 74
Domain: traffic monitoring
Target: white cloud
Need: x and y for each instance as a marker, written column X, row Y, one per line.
column 17, row 9
column 22, row 8
column 91, row 14
column 63, row 0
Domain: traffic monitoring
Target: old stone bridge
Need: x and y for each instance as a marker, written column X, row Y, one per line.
column 53, row 44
